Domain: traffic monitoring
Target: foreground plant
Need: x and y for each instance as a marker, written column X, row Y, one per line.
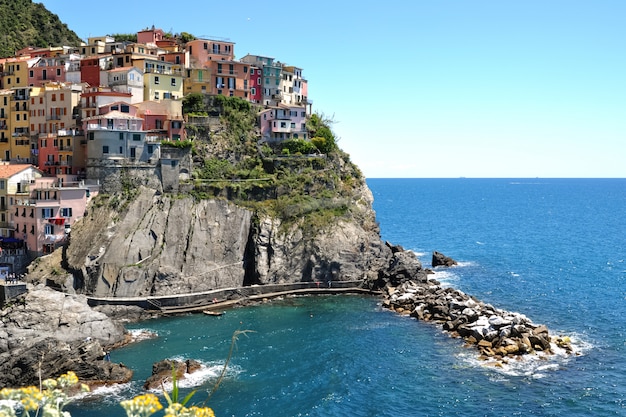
column 47, row 401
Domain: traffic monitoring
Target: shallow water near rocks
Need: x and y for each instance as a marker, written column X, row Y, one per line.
column 550, row 249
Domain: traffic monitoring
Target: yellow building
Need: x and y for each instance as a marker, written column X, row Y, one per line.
column 5, row 111
column 161, row 80
column 15, row 72
column 197, row 80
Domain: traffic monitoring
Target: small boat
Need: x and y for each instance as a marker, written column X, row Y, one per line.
column 213, row 313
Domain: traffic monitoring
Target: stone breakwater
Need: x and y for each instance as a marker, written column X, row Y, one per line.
column 496, row 333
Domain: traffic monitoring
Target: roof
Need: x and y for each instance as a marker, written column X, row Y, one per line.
column 124, row 69
column 9, row 170
column 113, row 115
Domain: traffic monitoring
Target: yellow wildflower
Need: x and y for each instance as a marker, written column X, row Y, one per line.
column 142, row 405
column 201, row 412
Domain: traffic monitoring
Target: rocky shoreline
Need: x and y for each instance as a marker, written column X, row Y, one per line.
column 47, row 333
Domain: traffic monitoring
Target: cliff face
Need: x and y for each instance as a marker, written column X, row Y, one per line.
column 161, row 246
column 165, row 245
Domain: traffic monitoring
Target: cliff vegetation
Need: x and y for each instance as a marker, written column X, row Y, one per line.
column 24, row 23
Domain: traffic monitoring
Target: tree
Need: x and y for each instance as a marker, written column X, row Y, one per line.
column 194, row 103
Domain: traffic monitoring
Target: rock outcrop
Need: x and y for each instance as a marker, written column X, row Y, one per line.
column 51, row 333
column 162, row 372
column 439, row 259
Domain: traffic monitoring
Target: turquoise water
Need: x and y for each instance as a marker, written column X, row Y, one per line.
column 551, row 249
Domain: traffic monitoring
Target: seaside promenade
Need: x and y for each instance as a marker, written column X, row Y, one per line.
column 228, row 297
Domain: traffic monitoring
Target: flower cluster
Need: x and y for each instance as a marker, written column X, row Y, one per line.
column 142, row 405
column 147, row 404
column 48, row 402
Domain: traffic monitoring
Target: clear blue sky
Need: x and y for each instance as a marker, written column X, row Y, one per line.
column 430, row 88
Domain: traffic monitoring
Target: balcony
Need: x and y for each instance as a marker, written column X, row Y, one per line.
column 53, row 117
column 164, row 71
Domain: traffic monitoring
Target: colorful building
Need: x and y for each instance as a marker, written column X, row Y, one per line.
column 44, row 70
column 197, row 80
column 201, row 51
column 44, row 216
column 127, row 80
column 117, row 137
column 283, row 122
column 163, row 120
column 271, row 78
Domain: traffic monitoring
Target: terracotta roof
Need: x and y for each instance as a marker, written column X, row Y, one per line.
column 8, row 170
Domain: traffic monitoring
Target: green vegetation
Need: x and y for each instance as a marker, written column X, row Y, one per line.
column 309, row 183
column 125, row 37
column 193, row 104
column 24, row 23
column 181, row 144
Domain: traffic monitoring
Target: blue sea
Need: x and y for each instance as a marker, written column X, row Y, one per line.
column 552, row 249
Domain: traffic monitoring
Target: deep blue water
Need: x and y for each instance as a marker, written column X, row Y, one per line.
column 552, row 249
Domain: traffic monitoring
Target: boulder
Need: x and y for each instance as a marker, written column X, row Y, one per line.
column 439, row 259
column 50, row 332
column 162, row 372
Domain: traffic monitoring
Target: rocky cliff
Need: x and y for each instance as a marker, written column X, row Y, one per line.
column 165, row 245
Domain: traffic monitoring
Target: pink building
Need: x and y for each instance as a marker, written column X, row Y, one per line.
column 46, row 70
column 283, row 122
column 256, row 84
column 44, row 217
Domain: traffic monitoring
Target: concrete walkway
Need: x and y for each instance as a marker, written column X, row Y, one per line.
column 227, row 297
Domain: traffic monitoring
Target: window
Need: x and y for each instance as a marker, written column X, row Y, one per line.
column 245, row 70
column 66, row 212
column 62, row 97
column 136, row 136
column 2, row 185
column 58, row 72
column 48, row 229
column 121, row 136
column 31, row 74
column 54, row 97
column 150, row 148
column 219, row 68
column 105, row 149
column 91, row 136
column 121, row 150
column 46, row 213
column 253, row 91
column 156, row 80
column 125, row 108
column 206, row 45
column 173, row 82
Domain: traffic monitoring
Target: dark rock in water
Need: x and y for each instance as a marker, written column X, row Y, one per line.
column 439, row 259
column 162, row 372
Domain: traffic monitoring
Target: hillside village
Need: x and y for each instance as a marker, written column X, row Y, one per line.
column 70, row 117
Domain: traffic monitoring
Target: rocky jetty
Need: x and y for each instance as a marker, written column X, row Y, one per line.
column 49, row 333
column 496, row 333
column 162, row 372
